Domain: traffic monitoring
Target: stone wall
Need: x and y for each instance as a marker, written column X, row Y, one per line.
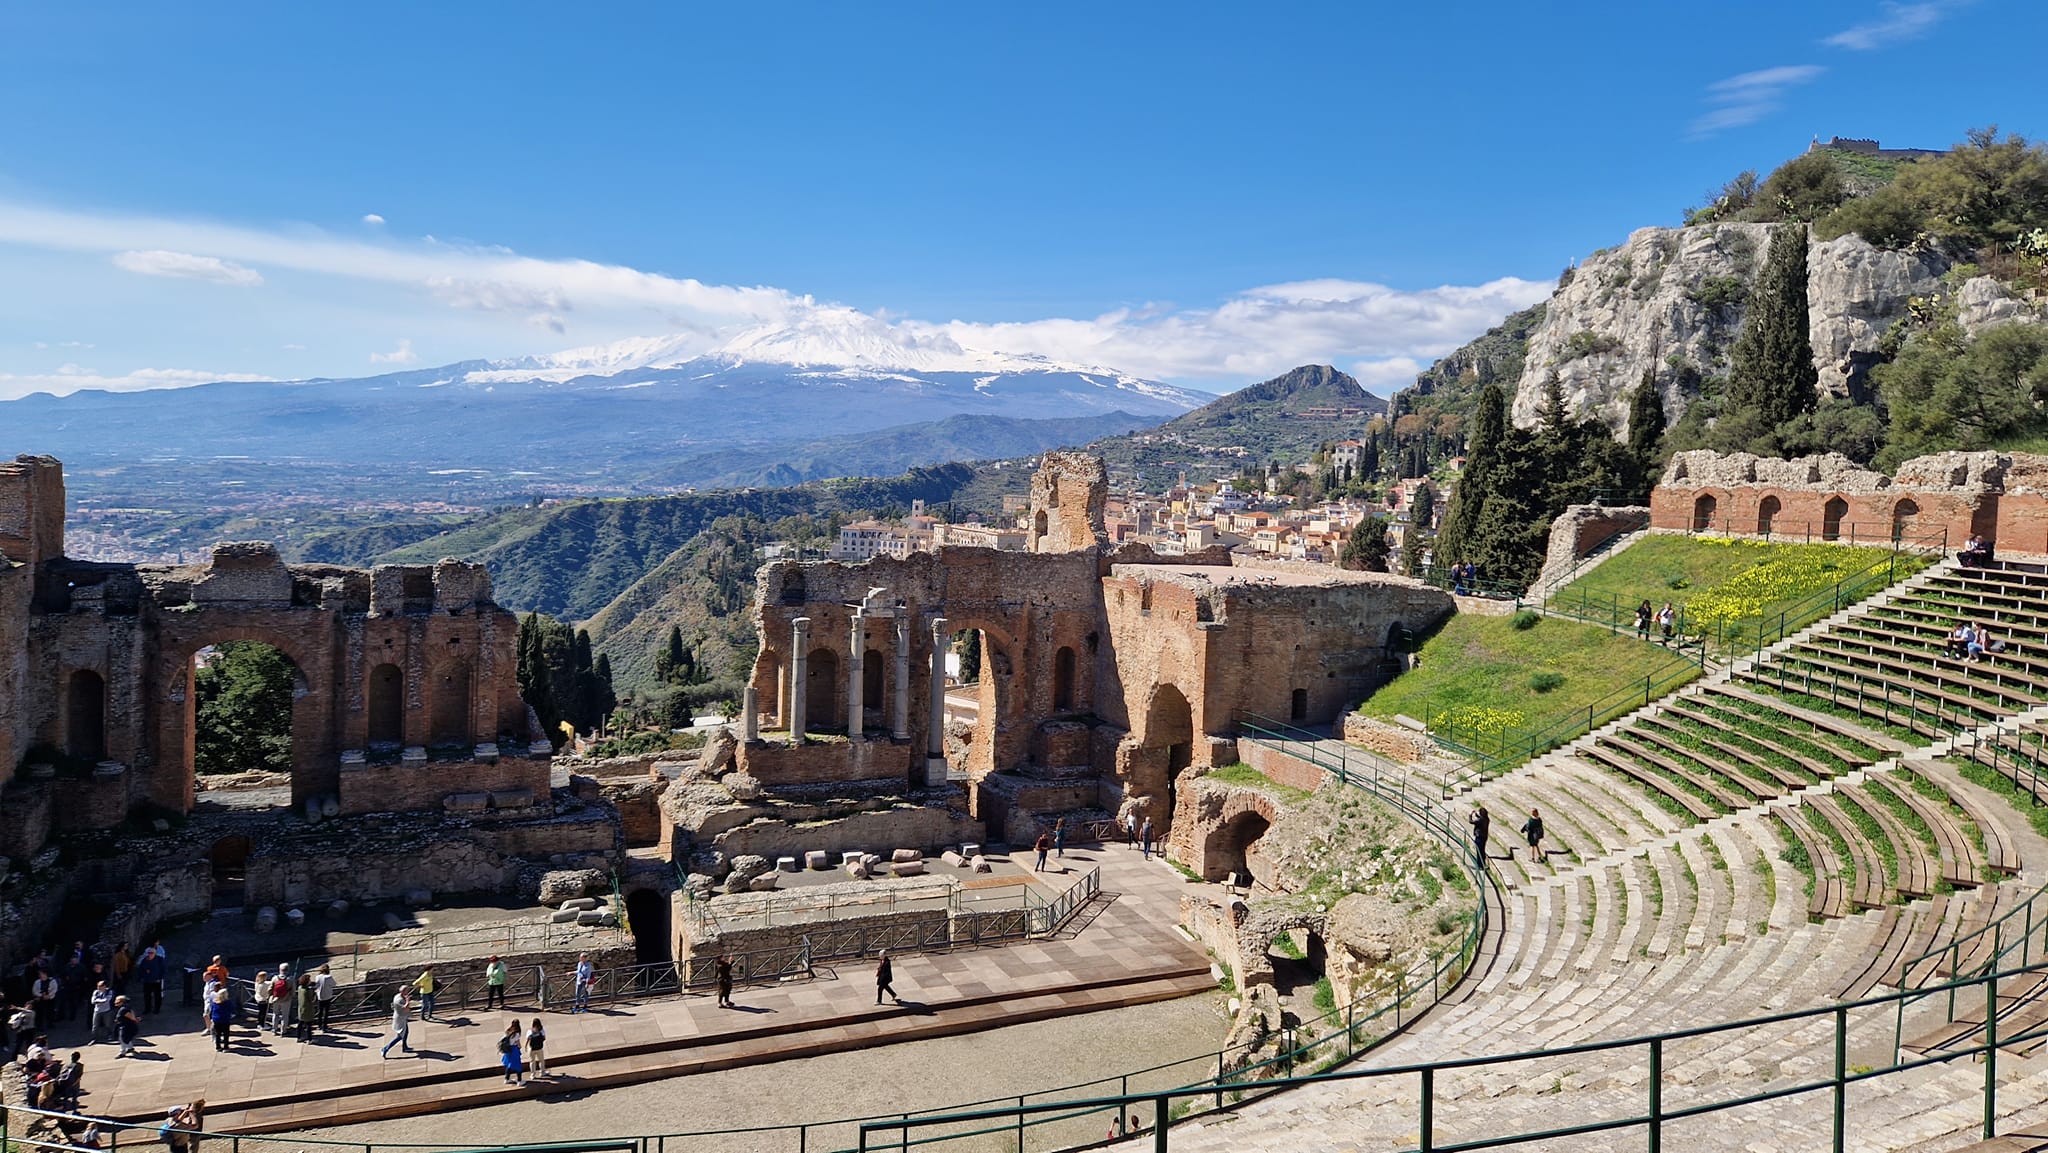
column 1388, row 740
column 825, row 761
column 1282, row 769
column 1581, row 529
column 1944, row 495
column 639, row 807
column 903, row 825
column 502, row 784
column 27, row 814
column 443, row 866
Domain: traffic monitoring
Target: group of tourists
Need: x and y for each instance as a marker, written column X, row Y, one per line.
column 1666, row 620
column 1970, row 642
column 1465, row 578
column 1482, row 827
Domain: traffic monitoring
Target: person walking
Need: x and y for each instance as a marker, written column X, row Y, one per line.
column 102, row 1012
column 537, row 1049
column 220, row 1012
column 1644, row 615
column 1059, row 838
column 306, row 1007
column 401, row 1022
column 1532, row 830
column 151, row 970
column 508, row 1054
column 1667, row 622
column 494, row 985
column 323, row 994
column 586, row 975
column 885, row 976
column 424, row 986
column 1043, row 847
column 1131, row 830
column 724, row 970
column 1482, row 824
column 1145, row 837
column 127, row 1026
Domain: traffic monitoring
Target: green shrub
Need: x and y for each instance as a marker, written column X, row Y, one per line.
column 1524, row 620
column 1545, row 681
column 1585, row 343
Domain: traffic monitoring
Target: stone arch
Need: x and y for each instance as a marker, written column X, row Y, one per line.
column 85, row 715
column 1168, row 743
column 821, row 691
column 316, row 762
column 1063, row 679
column 1904, row 515
column 1767, row 511
column 647, row 911
column 1230, row 844
column 1297, row 706
column 451, row 700
column 229, row 858
column 1831, row 515
column 770, row 689
column 1000, row 731
column 1038, row 528
column 386, row 697
column 1704, row 509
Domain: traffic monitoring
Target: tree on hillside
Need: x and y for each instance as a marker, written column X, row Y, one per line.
column 676, row 663
column 558, row 677
column 1366, row 551
column 1986, row 191
column 1948, row 391
column 1645, row 432
column 1771, row 378
column 242, row 712
column 1482, row 452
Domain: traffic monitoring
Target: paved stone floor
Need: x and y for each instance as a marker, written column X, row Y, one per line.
column 1122, row 951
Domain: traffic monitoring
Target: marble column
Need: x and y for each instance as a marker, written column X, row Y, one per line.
column 856, row 680
column 899, row 726
column 935, row 742
column 750, row 708
column 799, row 665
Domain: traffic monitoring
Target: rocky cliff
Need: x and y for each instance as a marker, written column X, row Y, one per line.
column 1673, row 299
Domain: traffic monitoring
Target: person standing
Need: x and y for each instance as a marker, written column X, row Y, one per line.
column 537, row 1048
column 1644, row 614
column 424, row 986
column 724, row 970
column 1532, row 830
column 1059, row 838
column 220, row 1012
column 305, row 1008
column 508, row 1054
column 102, row 1012
column 494, row 985
column 44, row 991
column 1145, row 837
column 586, row 975
column 1667, row 622
column 1131, row 830
column 263, row 988
column 1043, row 847
column 401, row 1022
column 153, row 967
column 127, row 1026
column 121, row 966
column 885, row 976
column 281, row 1001
column 1482, row 824
column 323, row 995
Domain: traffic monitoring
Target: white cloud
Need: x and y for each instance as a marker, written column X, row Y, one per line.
column 185, row 266
column 1900, row 22
column 403, row 354
column 1749, row 97
column 294, row 348
column 71, row 378
column 372, row 219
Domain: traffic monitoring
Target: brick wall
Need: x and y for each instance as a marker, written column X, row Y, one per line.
column 417, row 786
column 1282, row 769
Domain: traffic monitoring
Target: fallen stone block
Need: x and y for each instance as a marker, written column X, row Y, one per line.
column 330, row 806
column 764, row 882
column 295, row 917
column 786, row 864
column 337, row 909
column 902, row 855
column 591, row 917
column 466, row 802
column 392, row 921
column 580, row 903
column 817, row 859
column 266, row 919
column 857, row 869
column 970, row 849
column 559, row 885
column 980, row 864
column 952, row 858
column 512, row 799
column 851, row 855
column 565, row 916
column 906, row 868
column 418, row 898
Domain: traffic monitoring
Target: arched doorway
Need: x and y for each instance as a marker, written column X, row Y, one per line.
column 85, row 716
column 451, row 704
column 1297, row 706
column 242, row 708
column 1831, row 518
column 1767, row 511
column 1904, row 515
column 387, row 705
column 229, row 857
column 1233, row 848
column 647, row 911
column 821, row 691
column 1063, row 679
column 1703, row 510
column 1038, row 529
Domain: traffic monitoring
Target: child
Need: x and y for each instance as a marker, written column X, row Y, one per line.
column 508, row 1054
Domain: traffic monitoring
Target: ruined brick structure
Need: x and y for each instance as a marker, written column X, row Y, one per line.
column 1940, row 498
column 1105, row 674
column 96, row 661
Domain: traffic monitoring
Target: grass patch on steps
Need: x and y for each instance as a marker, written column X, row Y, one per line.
column 1473, row 682
column 1887, row 853
column 1816, row 704
column 1794, row 854
column 1985, row 777
column 1718, row 581
column 1906, row 814
column 1251, row 778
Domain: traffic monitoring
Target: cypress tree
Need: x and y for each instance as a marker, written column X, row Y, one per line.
column 1645, row 430
column 1489, row 434
column 1771, row 378
column 1366, row 551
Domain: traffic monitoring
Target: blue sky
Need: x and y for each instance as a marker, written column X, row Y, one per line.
column 1202, row 193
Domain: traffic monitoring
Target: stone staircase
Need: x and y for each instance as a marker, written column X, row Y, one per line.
column 1743, row 848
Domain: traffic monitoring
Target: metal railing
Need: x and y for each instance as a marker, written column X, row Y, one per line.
column 1803, row 531
column 1348, row 763
column 424, row 945
column 1491, row 753
column 1439, row 576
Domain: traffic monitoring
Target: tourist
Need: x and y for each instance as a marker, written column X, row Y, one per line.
column 1532, row 829
column 1145, row 837
column 122, row 966
column 102, row 1012
column 1043, row 847
column 323, row 995
column 151, row 969
column 263, row 987
column 1667, row 622
column 306, row 1006
column 1644, row 615
column 424, row 985
column 724, row 970
column 71, row 984
column 70, row 1081
column 885, row 976
column 586, row 975
column 127, row 1026
column 1482, row 824
column 43, row 990
column 1961, row 639
column 494, row 985
column 508, row 1054
column 281, row 1001
column 21, row 1024
column 172, row 1133
column 1986, row 643
column 401, row 1022
column 217, row 971
column 537, row 1049
column 206, row 993
column 1976, row 552
column 1131, row 829
column 220, row 1013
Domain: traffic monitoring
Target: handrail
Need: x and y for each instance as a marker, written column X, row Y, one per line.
column 1318, row 747
column 1490, row 753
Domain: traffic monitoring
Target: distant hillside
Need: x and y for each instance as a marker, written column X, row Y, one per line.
column 1452, row 384
column 1286, row 418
